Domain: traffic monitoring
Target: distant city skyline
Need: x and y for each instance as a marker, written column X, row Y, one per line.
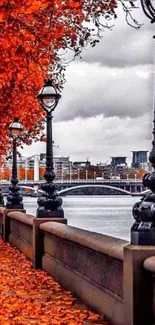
column 111, row 158
column 107, row 102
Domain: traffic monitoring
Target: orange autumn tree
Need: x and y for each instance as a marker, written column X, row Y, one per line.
column 140, row 173
column 32, row 35
column 41, row 172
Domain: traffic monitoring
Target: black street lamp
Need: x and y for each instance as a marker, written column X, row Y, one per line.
column 14, row 199
column 49, row 203
column 143, row 230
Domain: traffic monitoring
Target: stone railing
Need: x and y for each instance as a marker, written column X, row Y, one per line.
column 108, row 274
column 89, row 264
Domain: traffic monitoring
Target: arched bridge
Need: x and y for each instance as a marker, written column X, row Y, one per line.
column 93, row 190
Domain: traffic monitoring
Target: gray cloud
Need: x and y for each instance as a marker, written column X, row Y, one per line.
column 99, row 138
column 114, row 78
column 123, row 45
column 92, row 90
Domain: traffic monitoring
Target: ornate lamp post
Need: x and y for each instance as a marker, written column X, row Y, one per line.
column 143, row 230
column 49, row 203
column 14, row 199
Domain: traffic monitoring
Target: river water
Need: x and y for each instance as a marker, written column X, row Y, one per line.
column 109, row 215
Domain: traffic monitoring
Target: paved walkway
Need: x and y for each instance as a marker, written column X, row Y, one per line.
column 29, row 296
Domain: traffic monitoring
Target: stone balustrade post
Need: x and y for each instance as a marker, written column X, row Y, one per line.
column 38, row 239
column 6, row 223
column 138, row 287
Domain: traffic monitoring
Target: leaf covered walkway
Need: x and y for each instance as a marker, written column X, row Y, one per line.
column 29, row 296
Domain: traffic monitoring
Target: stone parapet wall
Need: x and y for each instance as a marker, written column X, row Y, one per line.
column 21, row 230
column 149, row 266
column 110, row 246
column 2, row 211
column 89, row 264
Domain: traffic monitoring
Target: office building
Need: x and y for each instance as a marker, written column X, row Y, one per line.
column 118, row 161
column 139, row 159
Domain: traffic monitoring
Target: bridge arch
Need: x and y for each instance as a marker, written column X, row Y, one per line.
column 69, row 189
column 145, row 192
column 28, row 188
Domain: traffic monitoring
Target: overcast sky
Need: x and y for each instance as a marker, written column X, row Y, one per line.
column 107, row 102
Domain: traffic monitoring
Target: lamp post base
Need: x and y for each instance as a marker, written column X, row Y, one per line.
column 1, row 202
column 14, row 206
column 43, row 213
column 1, row 198
column 143, row 234
column 14, row 199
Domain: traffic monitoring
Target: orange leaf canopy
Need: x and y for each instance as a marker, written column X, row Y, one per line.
column 32, row 33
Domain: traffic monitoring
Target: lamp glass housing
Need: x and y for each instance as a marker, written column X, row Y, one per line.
column 49, row 101
column 48, row 97
column 15, row 128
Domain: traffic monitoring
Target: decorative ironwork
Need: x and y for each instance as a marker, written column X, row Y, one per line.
column 148, row 9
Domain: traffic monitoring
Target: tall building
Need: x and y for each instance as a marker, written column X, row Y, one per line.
column 118, row 161
column 139, row 159
column 62, row 164
column 81, row 164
